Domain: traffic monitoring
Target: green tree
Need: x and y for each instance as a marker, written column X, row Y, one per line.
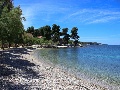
column 5, row 3
column 5, row 6
column 66, row 36
column 47, row 32
column 3, row 33
column 30, row 30
column 64, row 31
column 36, row 33
column 74, row 35
column 55, row 33
column 41, row 32
column 28, row 38
column 15, row 25
column 11, row 27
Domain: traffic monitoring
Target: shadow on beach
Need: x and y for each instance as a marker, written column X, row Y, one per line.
column 12, row 63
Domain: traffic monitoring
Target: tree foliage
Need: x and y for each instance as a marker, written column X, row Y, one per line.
column 74, row 35
column 36, row 33
column 55, row 33
column 11, row 27
column 47, row 32
column 64, row 31
column 66, row 36
column 30, row 30
column 28, row 38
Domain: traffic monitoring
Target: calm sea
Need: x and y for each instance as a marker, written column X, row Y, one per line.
column 101, row 63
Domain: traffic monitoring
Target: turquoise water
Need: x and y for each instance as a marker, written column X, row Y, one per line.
column 95, row 62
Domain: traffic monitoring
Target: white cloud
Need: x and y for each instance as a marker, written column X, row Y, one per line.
column 89, row 16
column 29, row 12
column 47, row 11
column 41, row 11
column 104, row 19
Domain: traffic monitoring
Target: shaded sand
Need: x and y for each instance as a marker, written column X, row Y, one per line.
column 20, row 70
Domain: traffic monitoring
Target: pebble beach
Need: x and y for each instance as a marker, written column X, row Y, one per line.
column 20, row 70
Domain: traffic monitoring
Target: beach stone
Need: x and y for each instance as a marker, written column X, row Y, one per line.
column 46, row 77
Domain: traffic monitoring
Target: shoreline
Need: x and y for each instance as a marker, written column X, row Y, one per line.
column 29, row 73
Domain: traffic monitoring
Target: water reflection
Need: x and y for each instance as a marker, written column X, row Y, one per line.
column 102, row 62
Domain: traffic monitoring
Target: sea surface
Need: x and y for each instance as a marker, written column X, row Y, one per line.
column 99, row 63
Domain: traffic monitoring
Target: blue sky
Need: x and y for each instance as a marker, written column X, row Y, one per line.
column 97, row 20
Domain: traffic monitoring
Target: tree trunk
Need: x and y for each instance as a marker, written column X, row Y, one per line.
column 9, row 44
column 16, row 45
column 2, row 45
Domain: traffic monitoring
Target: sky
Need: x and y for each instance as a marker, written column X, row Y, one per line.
column 96, row 20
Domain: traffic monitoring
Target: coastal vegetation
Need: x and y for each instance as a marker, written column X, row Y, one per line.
column 52, row 35
column 12, row 32
column 11, row 27
column 70, row 69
